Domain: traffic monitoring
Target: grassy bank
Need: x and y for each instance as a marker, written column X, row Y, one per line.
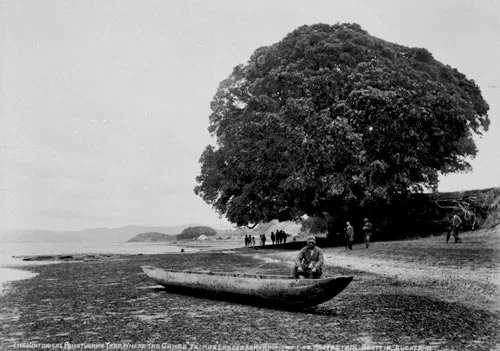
column 113, row 301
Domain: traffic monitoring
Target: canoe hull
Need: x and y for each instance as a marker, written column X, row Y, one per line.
column 268, row 290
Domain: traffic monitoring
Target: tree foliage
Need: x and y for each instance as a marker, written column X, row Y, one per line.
column 194, row 232
column 331, row 117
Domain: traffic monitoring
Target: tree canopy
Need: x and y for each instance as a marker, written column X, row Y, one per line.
column 331, row 116
column 194, row 232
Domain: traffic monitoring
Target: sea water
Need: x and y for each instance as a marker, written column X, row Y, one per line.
column 10, row 253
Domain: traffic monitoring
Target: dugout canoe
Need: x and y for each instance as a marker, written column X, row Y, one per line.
column 269, row 290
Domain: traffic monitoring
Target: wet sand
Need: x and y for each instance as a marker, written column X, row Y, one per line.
column 11, row 274
column 391, row 301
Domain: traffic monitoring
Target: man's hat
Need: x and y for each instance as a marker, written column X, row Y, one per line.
column 311, row 239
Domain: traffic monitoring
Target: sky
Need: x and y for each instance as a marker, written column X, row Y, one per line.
column 104, row 104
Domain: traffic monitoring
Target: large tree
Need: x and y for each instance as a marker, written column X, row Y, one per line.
column 331, row 116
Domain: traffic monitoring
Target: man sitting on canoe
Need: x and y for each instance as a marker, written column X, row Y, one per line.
column 309, row 261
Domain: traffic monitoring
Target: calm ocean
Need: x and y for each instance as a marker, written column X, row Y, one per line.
column 10, row 249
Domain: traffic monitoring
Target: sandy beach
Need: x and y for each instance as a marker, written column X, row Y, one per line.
column 419, row 294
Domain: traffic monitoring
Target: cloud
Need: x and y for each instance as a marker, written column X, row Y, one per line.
column 106, row 104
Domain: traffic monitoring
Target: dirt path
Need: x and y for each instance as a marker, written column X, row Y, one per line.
column 468, row 273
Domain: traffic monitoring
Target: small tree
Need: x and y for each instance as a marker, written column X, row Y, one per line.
column 330, row 119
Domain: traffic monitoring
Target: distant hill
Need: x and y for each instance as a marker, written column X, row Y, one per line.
column 104, row 235
column 152, row 237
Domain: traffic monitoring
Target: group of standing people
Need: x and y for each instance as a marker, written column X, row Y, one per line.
column 249, row 240
column 349, row 233
column 279, row 237
column 454, row 229
column 309, row 261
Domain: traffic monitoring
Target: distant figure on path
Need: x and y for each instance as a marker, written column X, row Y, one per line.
column 349, row 235
column 273, row 237
column 309, row 261
column 253, row 241
column 456, row 222
column 367, row 230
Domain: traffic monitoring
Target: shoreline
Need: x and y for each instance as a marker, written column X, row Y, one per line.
column 13, row 274
column 409, row 293
column 16, row 267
